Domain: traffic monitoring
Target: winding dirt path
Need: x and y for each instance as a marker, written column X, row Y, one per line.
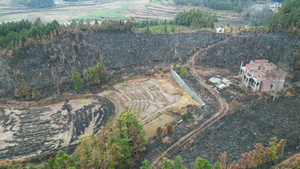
column 192, row 134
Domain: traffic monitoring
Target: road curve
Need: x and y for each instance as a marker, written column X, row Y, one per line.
column 223, row 109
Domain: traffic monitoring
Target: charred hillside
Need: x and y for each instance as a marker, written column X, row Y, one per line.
column 278, row 48
column 47, row 68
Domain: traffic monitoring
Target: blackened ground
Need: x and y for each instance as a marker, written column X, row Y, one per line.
column 40, row 131
column 239, row 132
column 253, row 118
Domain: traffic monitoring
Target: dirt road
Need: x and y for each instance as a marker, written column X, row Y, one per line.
column 189, row 136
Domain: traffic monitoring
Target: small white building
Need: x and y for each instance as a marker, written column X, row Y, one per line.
column 274, row 6
column 57, row 2
column 259, row 7
column 219, row 28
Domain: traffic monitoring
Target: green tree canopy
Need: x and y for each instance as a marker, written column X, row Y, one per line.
column 178, row 163
column 118, row 145
column 196, row 19
column 287, row 18
column 201, row 163
column 167, row 164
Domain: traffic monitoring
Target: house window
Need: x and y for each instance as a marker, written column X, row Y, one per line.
column 271, row 86
column 258, row 67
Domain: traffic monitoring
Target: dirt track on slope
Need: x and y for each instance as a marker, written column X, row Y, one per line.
column 189, row 136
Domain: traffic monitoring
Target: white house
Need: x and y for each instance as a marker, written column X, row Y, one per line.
column 219, row 28
column 259, row 7
column 56, row 2
column 275, row 5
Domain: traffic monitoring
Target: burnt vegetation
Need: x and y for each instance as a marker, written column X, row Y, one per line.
column 121, row 141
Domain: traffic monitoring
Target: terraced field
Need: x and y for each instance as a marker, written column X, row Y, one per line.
column 104, row 13
column 145, row 98
column 26, row 132
column 149, row 98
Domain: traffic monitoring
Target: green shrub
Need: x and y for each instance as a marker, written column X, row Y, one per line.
column 4, row 74
column 183, row 71
column 202, row 163
column 91, row 75
column 173, row 30
column 184, row 118
column 131, row 75
column 22, row 90
column 178, row 67
column 174, row 66
column 36, row 94
column 161, row 131
column 218, row 165
column 97, row 74
column 170, row 127
column 76, row 78
column 189, row 115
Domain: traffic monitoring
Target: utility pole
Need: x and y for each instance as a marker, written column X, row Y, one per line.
column 276, row 89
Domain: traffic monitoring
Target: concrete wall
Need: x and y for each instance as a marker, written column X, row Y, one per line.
column 185, row 87
column 266, row 86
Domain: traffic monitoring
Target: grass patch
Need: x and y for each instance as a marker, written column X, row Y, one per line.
column 15, row 16
column 131, row 75
column 218, row 15
column 152, row 4
column 151, row 127
column 104, row 13
column 161, row 28
column 10, row 17
column 5, row 19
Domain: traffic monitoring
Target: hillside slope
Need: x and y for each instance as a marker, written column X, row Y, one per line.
column 48, row 68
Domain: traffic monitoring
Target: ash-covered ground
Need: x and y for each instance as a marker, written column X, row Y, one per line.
column 253, row 118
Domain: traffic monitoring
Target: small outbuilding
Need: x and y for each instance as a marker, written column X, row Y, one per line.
column 219, row 28
column 56, row 2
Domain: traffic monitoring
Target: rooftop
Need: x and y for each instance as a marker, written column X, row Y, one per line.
column 218, row 25
column 263, row 70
